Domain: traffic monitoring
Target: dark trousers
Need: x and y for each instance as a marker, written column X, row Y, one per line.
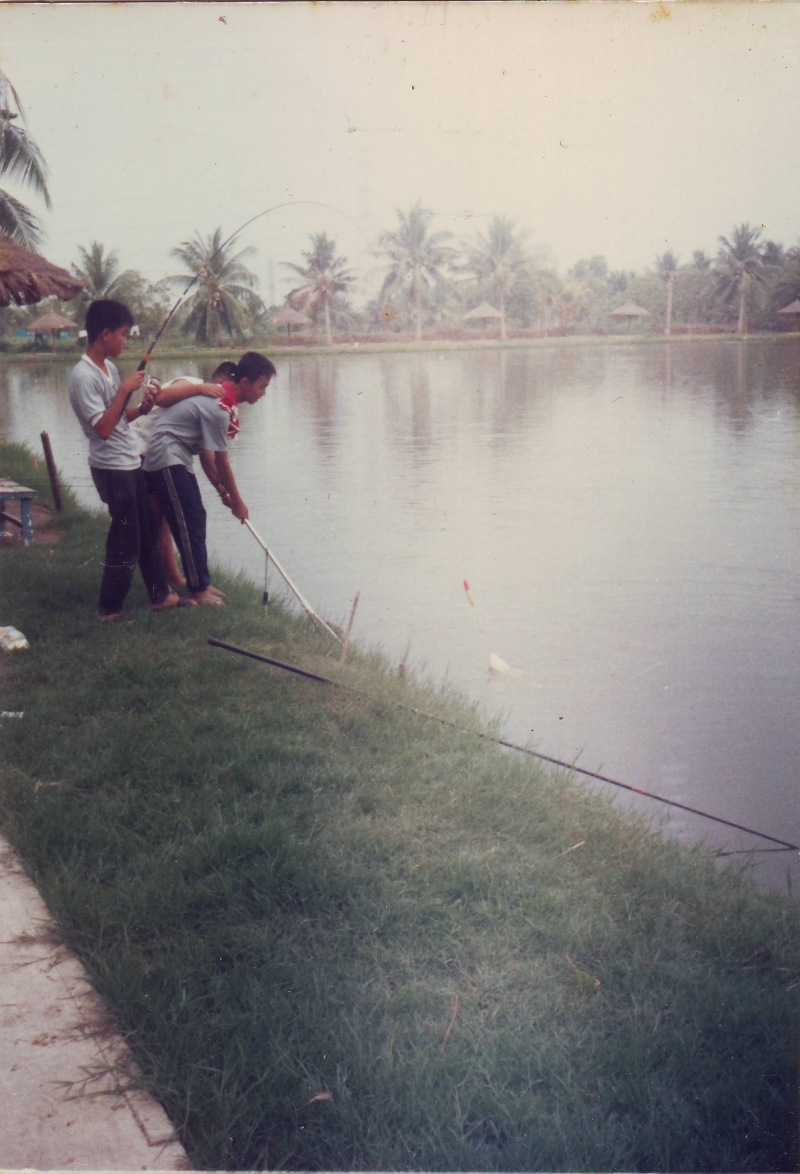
column 179, row 497
column 131, row 539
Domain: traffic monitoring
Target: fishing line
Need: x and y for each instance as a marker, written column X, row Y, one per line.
column 301, row 599
column 203, row 271
column 785, row 846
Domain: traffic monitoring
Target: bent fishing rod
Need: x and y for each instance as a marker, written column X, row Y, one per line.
column 785, row 846
column 203, row 270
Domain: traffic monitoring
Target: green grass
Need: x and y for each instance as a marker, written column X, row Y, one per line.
column 283, row 890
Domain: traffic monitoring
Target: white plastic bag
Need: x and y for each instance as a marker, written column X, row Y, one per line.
column 11, row 639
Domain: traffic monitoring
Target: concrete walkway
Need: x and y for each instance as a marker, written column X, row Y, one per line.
column 59, row 1107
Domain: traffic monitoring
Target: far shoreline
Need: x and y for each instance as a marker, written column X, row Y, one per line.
column 364, row 345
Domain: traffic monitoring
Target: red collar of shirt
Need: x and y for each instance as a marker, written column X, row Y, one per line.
column 230, row 404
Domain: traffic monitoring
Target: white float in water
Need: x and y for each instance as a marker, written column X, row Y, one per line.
column 501, row 668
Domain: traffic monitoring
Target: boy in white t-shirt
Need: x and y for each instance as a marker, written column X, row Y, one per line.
column 100, row 401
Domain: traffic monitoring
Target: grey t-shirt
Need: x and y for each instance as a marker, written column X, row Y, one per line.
column 90, row 393
column 186, row 429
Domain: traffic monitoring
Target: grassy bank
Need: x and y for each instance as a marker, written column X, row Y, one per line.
column 338, row 936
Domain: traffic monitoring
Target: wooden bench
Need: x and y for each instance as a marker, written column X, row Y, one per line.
column 10, row 491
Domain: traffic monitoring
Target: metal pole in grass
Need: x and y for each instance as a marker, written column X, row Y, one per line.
column 346, row 643
column 52, row 472
column 300, row 598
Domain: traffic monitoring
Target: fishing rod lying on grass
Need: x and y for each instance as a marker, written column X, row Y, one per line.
column 785, row 846
column 301, row 600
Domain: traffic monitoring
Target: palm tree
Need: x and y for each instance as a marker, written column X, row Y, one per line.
column 224, row 297
column 590, row 269
column 324, row 276
column 20, row 159
column 619, row 279
column 739, row 262
column 99, row 273
column 498, row 259
column 667, row 267
column 417, row 260
column 787, row 288
column 773, row 254
column 547, row 299
column 570, row 303
column 701, row 261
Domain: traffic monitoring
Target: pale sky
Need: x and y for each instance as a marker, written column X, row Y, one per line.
column 621, row 129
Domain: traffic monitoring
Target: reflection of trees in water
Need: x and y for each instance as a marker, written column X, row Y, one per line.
column 36, row 394
column 668, row 374
column 753, row 381
column 419, row 399
column 406, row 385
column 315, row 381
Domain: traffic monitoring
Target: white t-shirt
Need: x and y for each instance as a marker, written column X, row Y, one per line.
column 90, row 393
column 143, row 426
column 185, row 429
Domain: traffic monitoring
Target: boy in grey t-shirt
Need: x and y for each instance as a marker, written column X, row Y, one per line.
column 100, row 401
column 200, row 427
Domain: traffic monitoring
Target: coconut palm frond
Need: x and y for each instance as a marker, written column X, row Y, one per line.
column 19, row 222
column 21, row 159
column 224, row 297
column 324, row 277
column 8, row 98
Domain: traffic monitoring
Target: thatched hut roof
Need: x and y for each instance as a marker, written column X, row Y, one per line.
column 50, row 323
column 792, row 308
column 27, row 278
column 630, row 310
column 484, row 310
column 290, row 317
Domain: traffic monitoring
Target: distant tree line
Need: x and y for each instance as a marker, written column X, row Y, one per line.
column 432, row 284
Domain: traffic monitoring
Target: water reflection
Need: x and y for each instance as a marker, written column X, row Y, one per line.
column 626, row 516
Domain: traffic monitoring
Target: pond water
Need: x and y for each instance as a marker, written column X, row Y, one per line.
column 627, row 518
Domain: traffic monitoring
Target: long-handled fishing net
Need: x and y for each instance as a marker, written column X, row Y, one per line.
column 320, row 623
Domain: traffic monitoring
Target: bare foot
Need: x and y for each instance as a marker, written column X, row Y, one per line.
column 171, row 600
column 208, row 598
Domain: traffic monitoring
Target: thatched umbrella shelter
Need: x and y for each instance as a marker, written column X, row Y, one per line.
column 52, row 323
column 631, row 312
column 793, row 309
column 290, row 317
column 26, row 278
column 483, row 313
